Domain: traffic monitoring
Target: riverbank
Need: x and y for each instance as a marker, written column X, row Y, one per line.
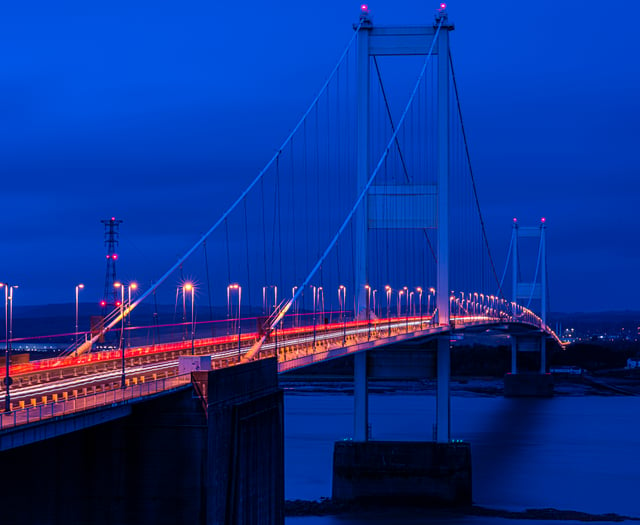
column 328, row 507
column 468, row 386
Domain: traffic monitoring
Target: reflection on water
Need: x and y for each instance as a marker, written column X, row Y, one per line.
column 578, row 453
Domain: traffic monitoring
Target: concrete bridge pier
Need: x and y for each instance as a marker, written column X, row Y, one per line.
column 396, row 472
column 521, row 382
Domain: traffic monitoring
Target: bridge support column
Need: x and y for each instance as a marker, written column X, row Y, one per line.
column 443, row 395
column 360, row 397
column 530, row 380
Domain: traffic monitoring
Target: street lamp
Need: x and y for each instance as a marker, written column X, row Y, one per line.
column 388, row 290
column 8, row 324
column 432, row 292
column 342, row 300
column 406, row 292
column 120, row 286
column 132, row 286
column 419, row 290
column 78, row 288
column 320, row 301
column 238, row 288
column 295, row 306
column 188, row 287
column 368, row 288
column 373, row 297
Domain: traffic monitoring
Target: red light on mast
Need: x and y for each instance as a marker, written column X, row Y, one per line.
column 103, row 303
column 443, row 6
column 114, row 256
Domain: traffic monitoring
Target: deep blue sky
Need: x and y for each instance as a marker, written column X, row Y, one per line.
column 159, row 112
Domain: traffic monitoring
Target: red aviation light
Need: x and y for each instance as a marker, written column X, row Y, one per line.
column 365, row 9
column 443, row 6
column 103, row 303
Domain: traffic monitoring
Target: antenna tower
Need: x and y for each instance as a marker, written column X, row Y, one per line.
column 111, row 238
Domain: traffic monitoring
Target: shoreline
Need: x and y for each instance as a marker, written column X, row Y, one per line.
column 328, row 507
column 461, row 386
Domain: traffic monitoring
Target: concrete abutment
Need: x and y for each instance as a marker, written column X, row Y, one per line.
column 212, row 453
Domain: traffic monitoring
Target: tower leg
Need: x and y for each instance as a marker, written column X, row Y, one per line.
column 360, row 398
column 514, row 354
column 443, row 404
column 543, row 355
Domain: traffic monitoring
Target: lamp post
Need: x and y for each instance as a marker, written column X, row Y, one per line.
column 8, row 323
column 368, row 289
column 132, row 286
column 238, row 288
column 406, row 293
column 388, row 290
column 295, row 306
column 314, row 297
column 410, row 312
column 342, row 300
column 120, row 286
column 432, row 292
column 188, row 287
column 373, row 298
column 78, row 288
column 419, row 290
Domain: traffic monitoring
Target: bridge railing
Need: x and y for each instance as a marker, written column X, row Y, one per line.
column 118, row 396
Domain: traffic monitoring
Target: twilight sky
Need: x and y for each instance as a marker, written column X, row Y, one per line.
column 160, row 112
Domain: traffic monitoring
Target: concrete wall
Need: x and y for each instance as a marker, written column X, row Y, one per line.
column 173, row 460
column 397, row 472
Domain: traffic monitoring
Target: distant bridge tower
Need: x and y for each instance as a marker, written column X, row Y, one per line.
column 111, row 240
column 524, row 292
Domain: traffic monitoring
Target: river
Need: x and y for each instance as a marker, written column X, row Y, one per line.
column 577, row 453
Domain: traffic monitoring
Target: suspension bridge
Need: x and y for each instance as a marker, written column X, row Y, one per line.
column 363, row 232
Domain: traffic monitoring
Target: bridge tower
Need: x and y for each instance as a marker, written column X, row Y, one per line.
column 516, row 383
column 361, row 468
column 409, row 206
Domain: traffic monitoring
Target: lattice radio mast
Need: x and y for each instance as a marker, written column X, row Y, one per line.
column 111, row 238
